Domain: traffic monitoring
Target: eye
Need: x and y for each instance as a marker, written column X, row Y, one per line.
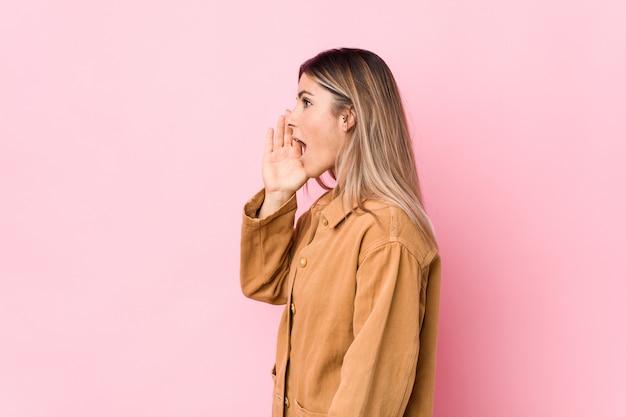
column 306, row 102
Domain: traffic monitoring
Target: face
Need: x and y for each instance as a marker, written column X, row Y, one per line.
column 320, row 132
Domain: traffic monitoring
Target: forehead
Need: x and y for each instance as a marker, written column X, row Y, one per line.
column 309, row 85
column 312, row 87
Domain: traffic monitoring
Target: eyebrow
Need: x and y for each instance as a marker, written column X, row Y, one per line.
column 303, row 92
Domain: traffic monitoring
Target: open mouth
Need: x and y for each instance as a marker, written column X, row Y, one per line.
column 302, row 145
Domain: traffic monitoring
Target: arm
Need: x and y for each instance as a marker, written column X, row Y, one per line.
column 268, row 219
column 265, row 248
column 379, row 368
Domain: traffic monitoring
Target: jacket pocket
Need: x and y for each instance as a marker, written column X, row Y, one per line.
column 303, row 412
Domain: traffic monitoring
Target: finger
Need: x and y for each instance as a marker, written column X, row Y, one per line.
column 288, row 139
column 269, row 141
column 288, row 129
column 279, row 137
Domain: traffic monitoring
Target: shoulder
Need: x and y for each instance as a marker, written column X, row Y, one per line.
column 387, row 224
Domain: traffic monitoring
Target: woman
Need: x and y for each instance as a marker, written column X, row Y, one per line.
column 359, row 274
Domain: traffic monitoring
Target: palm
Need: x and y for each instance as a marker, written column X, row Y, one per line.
column 283, row 171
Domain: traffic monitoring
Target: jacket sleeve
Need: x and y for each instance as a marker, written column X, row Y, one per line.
column 265, row 248
column 379, row 368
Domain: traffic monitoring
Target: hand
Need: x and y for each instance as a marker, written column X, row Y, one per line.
column 283, row 172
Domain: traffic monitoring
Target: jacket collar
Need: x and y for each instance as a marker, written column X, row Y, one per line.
column 335, row 210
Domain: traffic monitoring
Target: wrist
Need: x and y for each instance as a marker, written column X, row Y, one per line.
column 272, row 202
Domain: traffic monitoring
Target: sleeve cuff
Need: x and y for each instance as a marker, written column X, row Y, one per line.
column 252, row 207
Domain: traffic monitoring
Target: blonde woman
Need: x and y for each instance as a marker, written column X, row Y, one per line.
column 360, row 272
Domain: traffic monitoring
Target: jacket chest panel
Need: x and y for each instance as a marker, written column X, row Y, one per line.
column 324, row 261
column 323, row 285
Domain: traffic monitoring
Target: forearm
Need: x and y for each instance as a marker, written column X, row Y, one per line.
column 265, row 246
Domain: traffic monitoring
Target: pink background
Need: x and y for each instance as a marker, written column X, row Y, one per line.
column 131, row 134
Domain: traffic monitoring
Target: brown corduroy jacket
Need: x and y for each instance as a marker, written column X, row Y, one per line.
column 358, row 335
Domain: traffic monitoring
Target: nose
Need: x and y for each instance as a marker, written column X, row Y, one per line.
column 290, row 118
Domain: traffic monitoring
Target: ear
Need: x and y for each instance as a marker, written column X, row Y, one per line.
column 348, row 119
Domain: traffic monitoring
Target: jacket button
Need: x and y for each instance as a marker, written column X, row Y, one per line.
column 324, row 221
column 286, row 402
column 293, row 309
column 303, row 262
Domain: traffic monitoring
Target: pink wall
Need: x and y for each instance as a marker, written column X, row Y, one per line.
column 131, row 134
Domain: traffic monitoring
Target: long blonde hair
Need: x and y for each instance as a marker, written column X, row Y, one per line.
column 378, row 161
